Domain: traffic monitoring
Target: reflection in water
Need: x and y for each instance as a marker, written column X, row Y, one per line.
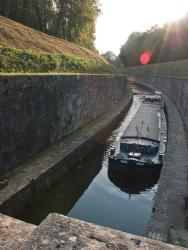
column 94, row 193
column 63, row 196
column 134, row 180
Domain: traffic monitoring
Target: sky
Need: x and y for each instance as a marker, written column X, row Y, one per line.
column 120, row 18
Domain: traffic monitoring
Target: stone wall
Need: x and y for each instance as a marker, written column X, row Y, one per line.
column 37, row 111
column 169, row 217
column 175, row 88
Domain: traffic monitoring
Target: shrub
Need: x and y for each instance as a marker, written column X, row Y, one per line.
column 15, row 60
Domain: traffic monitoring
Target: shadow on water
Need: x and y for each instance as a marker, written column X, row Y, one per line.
column 94, row 193
column 63, row 196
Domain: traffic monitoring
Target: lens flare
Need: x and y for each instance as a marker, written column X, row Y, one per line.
column 145, row 57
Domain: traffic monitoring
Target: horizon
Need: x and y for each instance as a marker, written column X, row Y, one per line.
column 110, row 35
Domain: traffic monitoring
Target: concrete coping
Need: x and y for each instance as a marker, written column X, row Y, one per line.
column 61, row 232
column 13, row 232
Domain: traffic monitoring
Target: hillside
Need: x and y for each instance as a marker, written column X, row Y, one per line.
column 173, row 68
column 16, row 35
column 23, row 49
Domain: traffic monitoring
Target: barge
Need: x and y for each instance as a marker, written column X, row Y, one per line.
column 143, row 142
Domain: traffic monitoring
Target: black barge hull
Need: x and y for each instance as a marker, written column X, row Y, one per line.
column 146, row 168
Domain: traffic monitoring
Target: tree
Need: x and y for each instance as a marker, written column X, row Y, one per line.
column 72, row 20
column 75, row 21
column 164, row 44
column 110, row 57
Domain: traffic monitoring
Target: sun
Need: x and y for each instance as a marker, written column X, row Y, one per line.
column 119, row 18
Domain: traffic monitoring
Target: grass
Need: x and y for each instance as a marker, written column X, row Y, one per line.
column 174, row 68
column 21, row 61
column 16, row 35
column 25, row 50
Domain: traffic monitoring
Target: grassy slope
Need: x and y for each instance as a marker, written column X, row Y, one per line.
column 175, row 68
column 23, row 49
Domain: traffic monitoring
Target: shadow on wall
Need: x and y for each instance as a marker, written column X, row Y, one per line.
column 37, row 111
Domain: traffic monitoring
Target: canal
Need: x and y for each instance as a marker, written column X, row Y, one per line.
column 93, row 193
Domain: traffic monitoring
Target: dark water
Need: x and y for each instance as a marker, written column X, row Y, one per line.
column 93, row 193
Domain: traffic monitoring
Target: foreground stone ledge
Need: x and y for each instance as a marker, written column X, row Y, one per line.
column 61, row 232
column 13, row 232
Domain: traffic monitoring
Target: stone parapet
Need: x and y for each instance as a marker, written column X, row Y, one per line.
column 13, row 232
column 60, row 232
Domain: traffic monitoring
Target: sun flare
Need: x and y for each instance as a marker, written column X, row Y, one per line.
column 173, row 12
column 120, row 18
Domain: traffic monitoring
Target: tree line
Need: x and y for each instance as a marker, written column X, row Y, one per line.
column 167, row 43
column 72, row 20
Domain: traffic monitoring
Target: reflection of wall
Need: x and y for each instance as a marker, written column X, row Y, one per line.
column 36, row 111
column 62, row 197
column 175, row 88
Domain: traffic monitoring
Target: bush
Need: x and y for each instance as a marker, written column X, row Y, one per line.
column 15, row 60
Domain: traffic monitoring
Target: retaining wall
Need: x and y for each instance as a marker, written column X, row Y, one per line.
column 175, row 88
column 37, row 111
column 168, row 221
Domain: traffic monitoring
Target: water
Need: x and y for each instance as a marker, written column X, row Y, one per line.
column 94, row 194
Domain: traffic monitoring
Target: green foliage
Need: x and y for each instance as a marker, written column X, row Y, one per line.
column 14, row 60
column 72, row 20
column 174, row 68
column 76, row 21
column 114, row 60
column 168, row 43
column 37, row 14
